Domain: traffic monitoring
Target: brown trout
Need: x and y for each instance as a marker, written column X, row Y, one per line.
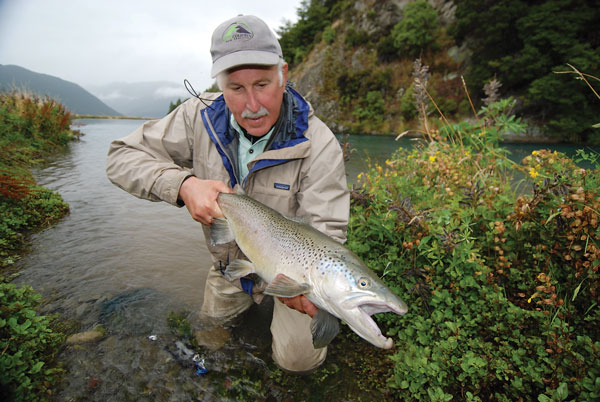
column 294, row 259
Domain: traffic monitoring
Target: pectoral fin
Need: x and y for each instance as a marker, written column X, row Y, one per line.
column 324, row 327
column 284, row 286
column 220, row 232
column 237, row 269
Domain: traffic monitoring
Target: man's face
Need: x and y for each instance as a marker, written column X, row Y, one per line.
column 254, row 96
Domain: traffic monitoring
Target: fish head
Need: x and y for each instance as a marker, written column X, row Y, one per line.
column 354, row 293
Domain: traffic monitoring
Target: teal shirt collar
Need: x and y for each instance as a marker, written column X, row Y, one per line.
column 247, row 151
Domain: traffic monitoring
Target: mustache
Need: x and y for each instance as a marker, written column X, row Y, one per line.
column 247, row 114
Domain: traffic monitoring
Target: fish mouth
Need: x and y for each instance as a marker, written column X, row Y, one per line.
column 366, row 326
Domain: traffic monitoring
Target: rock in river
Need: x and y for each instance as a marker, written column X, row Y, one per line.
column 84, row 337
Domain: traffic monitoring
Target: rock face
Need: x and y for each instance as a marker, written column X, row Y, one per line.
column 353, row 54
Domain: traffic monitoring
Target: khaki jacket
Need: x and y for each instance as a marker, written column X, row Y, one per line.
column 299, row 176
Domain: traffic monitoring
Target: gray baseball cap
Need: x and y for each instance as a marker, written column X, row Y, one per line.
column 244, row 39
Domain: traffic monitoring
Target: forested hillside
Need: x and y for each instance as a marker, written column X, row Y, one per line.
column 354, row 61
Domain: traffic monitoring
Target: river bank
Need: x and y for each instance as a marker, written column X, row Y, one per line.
column 31, row 129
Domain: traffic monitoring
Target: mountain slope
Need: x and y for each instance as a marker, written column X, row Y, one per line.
column 74, row 97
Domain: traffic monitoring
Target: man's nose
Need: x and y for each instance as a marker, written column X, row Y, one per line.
column 252, row 103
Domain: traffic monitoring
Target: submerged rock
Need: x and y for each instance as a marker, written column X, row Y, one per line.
column 213, row 339
column 84, row 337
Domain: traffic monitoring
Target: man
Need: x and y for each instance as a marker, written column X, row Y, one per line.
column 261, row 135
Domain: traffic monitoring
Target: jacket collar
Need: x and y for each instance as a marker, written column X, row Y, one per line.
column 288, row 141
column 290, row 126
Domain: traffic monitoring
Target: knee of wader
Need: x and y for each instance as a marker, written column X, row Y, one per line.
column 293, row 348
column 302, row 364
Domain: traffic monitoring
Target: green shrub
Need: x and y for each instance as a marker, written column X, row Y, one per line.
column 371, row 108
column 417, row 29
column 23, row 208
column 498, row 262
column 30, row 128
column 329, row 35
column 28, row 344
column 386, row 51
column 407, row 108
column 355, row 37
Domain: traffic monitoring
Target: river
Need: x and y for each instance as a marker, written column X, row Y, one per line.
column 125, row 264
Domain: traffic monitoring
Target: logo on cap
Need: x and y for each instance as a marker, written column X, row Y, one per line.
column 237, row 31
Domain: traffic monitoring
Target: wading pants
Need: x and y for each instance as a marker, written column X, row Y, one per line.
column 292, row 340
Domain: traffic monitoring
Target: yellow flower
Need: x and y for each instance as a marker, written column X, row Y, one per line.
column 432, row 158
column 388, row 162
column 360, row 175
column 534, row 152
column 533, row 173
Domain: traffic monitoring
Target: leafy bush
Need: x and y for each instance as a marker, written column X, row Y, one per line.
column 417, row 29
column 502, row 283
column 329, row 35
column 386, row 51
column 28, row 208
column 356, row 37
column 371, row 108
column 30, row 128
column 28, row 344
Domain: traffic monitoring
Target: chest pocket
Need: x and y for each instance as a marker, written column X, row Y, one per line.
column 277, row 186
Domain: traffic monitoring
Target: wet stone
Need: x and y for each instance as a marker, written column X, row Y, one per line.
column 82, row 310
column 213, row 338
column 84, row 337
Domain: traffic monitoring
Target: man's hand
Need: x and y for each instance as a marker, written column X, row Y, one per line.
column 200, row 198
column 301, row 304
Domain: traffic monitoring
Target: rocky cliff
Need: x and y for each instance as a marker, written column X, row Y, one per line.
column 357, row 82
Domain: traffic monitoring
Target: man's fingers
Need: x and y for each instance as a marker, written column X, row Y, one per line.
column 308, row 307
column 300, row 303
column 200, row 198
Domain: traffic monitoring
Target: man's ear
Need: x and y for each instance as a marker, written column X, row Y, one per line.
column 284, row 70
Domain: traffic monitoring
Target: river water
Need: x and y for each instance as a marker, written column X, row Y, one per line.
column 124, row 264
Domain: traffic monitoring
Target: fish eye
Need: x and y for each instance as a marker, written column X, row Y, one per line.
column 364, row 283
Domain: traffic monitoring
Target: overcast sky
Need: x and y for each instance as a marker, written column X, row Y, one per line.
column 99, row 42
